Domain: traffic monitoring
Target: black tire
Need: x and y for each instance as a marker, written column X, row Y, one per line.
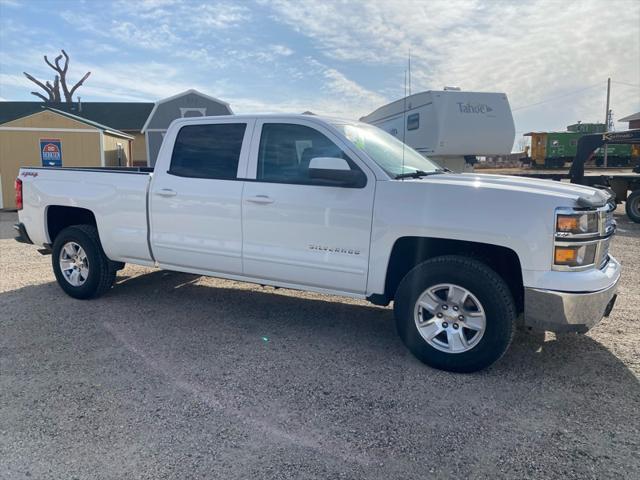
column 102, row 271
column 485, row 284
column 632, row 206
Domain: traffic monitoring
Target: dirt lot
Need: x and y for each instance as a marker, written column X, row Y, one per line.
column 176, row 376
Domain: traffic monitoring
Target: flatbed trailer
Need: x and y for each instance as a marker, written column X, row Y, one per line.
column 623, row 182
column 625, row 186
column 554, row 173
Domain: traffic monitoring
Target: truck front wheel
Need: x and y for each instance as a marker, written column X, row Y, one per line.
column 82, row 269
column 455, row 313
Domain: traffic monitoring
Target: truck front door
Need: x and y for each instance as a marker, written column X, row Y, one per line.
column 195, row 213
column 301, row 230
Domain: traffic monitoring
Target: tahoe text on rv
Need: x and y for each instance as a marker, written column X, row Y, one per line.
column 468, row 108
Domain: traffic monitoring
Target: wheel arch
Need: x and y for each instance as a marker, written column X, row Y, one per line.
column 59, row 217
column 409, row 251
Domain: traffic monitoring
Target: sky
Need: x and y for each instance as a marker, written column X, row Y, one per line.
column 551, row 57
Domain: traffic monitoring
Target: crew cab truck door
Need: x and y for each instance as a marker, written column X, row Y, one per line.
column 298, row 229
column 195, row 196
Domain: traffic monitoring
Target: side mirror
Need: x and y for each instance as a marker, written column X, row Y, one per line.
column 337, row 171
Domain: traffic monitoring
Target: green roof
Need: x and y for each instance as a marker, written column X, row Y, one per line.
column 90, row 122
column 124, row 116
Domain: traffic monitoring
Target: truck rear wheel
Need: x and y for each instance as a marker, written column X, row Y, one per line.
column 455, row 313
column 82, row 269
column 633, row 206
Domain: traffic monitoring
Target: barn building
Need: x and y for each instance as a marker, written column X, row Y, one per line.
column 54, row 138
column 127, row 117
column 186, row 104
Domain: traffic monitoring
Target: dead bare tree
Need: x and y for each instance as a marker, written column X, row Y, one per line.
column 60, row 81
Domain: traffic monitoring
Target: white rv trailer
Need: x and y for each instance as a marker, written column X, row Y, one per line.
column 450, row 125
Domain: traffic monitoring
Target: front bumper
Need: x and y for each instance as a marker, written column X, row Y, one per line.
column 557, row 311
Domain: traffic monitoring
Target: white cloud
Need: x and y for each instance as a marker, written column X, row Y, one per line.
column 375, row 31
column 150, row 81
column 137, row 35
column 322, row 105
column 96, row 46
column 339, row 84
column 170, row 26
column 187, row 14
column 116, row 82
column 337, row 95
column 7, row 80
column 531, row 50
column 352, row 56
column 221, row 15
column 161, row 37
column 281, row 50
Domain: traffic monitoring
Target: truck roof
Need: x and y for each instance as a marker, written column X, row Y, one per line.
column 249, row 116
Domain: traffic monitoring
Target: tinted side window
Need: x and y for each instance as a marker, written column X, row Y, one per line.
column 208, row 151
column 413, row 121
column 286, row 150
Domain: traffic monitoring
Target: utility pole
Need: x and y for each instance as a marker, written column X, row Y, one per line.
column 409, row 70
column 606, row 119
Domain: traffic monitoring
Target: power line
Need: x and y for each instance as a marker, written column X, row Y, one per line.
column 599, row 84
column 636, row 85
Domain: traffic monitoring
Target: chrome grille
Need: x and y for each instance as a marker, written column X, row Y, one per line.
column 607, row 228
column 608, row 222
column 603, row 252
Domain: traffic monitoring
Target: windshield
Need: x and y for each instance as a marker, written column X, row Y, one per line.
column 388, row 152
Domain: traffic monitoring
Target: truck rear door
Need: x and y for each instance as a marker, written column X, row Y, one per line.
column 195, row 197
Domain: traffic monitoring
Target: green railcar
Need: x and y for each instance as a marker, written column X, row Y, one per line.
column 555, row 149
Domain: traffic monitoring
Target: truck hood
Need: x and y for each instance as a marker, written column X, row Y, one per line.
column 581, row 195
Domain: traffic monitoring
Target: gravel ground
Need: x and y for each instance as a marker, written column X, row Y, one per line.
column 176, row 376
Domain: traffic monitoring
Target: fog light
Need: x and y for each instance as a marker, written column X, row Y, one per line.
column 575, row 255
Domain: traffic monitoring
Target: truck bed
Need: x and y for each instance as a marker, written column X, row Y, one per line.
column 143, row 170
column 116, row 196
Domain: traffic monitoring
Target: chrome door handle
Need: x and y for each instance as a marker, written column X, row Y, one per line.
column 166, row 192
column 260, row 199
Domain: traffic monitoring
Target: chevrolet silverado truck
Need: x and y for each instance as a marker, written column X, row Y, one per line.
column 337, row 207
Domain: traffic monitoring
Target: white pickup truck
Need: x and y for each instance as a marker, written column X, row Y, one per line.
column 339, row 207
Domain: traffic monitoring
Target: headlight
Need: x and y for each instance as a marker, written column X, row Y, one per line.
column 581, row 238
column 577, row 223
column 575, row 255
